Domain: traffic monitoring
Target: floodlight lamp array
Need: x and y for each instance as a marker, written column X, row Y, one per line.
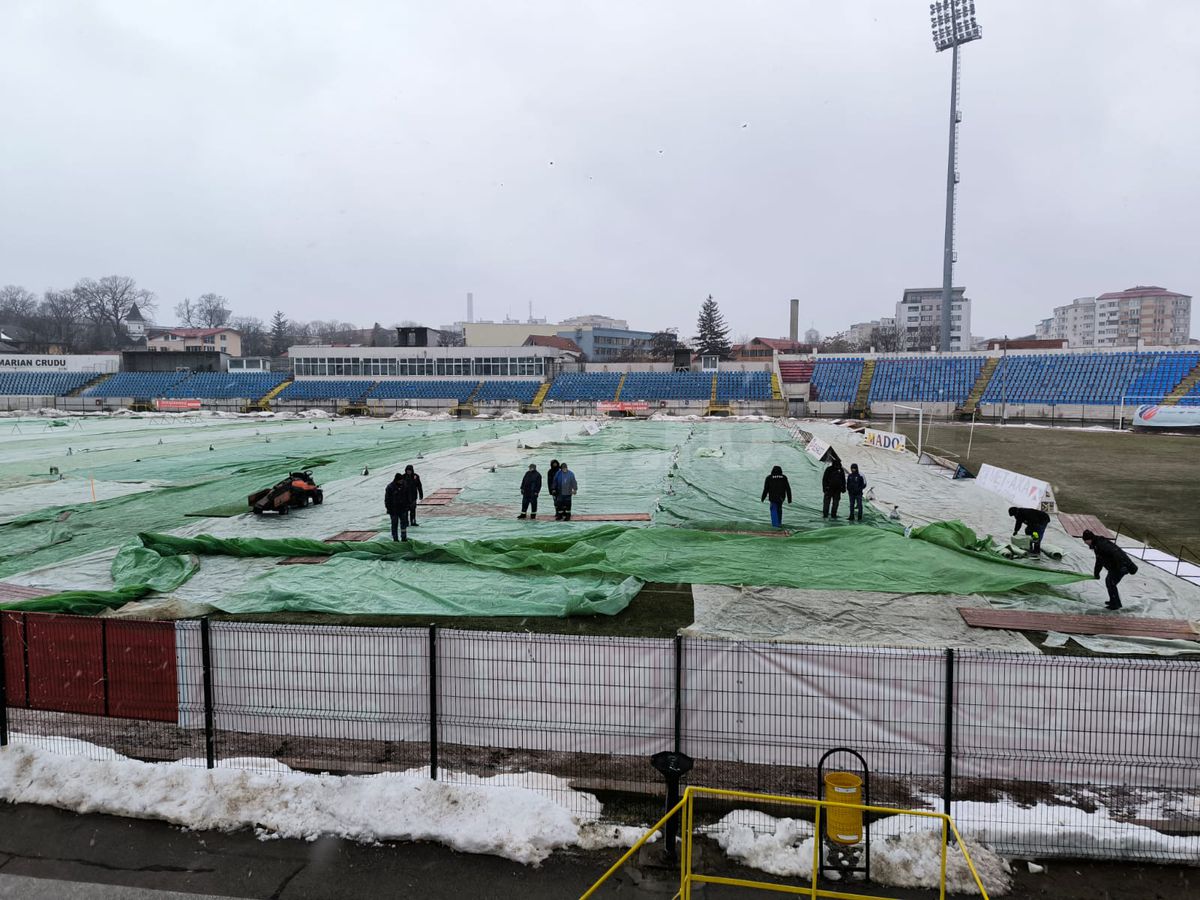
column 953, row 22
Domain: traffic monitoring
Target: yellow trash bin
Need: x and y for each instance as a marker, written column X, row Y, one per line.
column 843, row 826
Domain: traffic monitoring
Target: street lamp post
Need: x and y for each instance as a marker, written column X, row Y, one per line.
column 953, row 23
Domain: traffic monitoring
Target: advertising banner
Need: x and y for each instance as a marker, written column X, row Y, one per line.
column 1167, row 417
column 176, row 405
column 885, row 440
column 621, row 406
column 1020, row 490
column 50, row 362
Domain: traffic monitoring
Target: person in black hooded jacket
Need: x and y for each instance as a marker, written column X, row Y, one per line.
column 776, row 487
column 833, row 485
column 1035, row 521
column 1111, row 557
column 396, row 501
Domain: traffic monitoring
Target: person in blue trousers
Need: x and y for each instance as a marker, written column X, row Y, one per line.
column 776, row 488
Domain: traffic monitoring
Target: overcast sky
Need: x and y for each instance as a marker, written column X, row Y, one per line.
column 375, row 161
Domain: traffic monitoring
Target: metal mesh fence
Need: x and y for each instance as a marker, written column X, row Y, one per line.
column 1038, row 755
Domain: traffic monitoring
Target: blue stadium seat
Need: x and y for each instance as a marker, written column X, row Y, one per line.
column 667, row 386
column 431, row 389
column 520, row 391
column 326, row 389
column 226, row 385
column 591, row 386
column 1088, row 378
column 836, row 380
column 42, row 384
column 925, row 379
column 138, row 385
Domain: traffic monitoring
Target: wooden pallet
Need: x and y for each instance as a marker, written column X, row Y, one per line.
column 440, row 497
column 351, row 536
column 773, row 534
column 1115, row 624
column 1075, row 525
column 610, row 517
column 11, row 593
column 303, row 561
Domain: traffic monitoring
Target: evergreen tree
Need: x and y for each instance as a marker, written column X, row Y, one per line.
column 712, row 334
column 280, row 334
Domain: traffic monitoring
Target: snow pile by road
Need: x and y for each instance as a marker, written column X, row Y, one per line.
column 512, row 816
column 905, row 852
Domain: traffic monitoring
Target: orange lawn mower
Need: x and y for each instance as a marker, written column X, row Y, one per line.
column 294, row 492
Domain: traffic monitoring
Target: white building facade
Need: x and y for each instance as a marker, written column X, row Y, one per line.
column 919, row 319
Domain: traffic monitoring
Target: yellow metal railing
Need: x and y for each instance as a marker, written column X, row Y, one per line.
column 685, row 809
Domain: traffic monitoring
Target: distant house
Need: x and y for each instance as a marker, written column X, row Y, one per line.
column 553, row 340
column 765, row 348
column 195, row 340
column 135, row 325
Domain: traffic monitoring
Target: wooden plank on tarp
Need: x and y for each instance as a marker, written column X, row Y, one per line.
column 351, row 536
column 303, row 561
column 1115, row 624
column 1075, row 525
column 610, row 517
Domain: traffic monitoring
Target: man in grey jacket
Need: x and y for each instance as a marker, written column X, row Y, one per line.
column 566, row 487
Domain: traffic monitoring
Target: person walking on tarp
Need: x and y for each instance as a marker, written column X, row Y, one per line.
column 1035, row 521
column 1110, row 556
column 415, row 493
column 776, row 488
column 531, row 486
column 566, row 488
column 395, row 500
column 833, row 484
column 855, row 485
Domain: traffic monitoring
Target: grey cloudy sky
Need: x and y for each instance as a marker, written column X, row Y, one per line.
column 376, row 161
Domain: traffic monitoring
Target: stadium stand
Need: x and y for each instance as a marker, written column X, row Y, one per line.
column 138, row 385
column 1082, row 378
column 925, row 379
column 42, row 384
column 1192, row 397
column 836, row 380
column 669, row 386
column 434, row 389
column 591, row 386
column 519, row 391
column 796, row 371
column 743, row 386
column 226, row 386
column 320, row 389
column 1159, row 375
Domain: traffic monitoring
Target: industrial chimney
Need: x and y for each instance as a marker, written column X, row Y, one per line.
column 794, row 330
column 471, row 308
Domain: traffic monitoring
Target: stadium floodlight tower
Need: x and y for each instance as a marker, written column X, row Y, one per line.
column 953, row 23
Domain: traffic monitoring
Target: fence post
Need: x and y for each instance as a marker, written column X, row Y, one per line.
column 433, row 704
column 210, row 746
column 3, row 687
column 679, row 693
column 948, row 739
column 104, row 661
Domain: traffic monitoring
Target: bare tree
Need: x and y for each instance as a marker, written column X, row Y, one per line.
column 185, row 313
column 17, row 304
column 256, row 340
column 106, row 304
column 663, row 344
column 452, row 339
column 60, row 316
column 212, row 311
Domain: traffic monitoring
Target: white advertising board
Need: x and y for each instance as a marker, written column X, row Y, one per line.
column 35, row 362
column 1020, row 490
column 816, row 448
column 885, row 440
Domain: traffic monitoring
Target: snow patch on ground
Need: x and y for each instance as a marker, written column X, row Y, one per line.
column 512, row 816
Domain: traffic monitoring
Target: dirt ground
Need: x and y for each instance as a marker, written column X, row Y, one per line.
column 1144, row 485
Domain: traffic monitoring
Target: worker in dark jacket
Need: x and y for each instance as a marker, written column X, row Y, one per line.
column 833, row 484
column 1035, row 521
column 1111, row 557
column 552, row 484
column 531, row 486
column 415, row 493
column 855, row 485
column 565, row 488
column 775, row 488
column 396, row 502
